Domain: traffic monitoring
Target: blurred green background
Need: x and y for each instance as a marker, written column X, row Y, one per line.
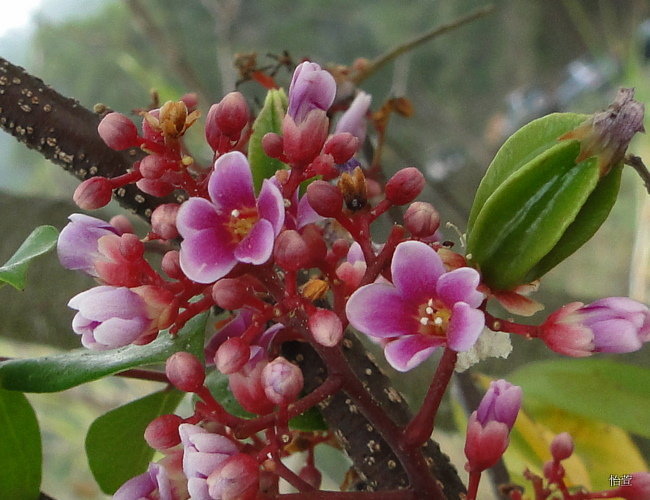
column 470, row 89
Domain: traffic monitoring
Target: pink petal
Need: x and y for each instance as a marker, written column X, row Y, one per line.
column 104, row 302
column 616, row 335
column 257, row 246
column 416, row 268
column 231, row 184
column 270, row 205
column 460, row 285
column 378, row 310
column 409, row 351
column 465, row 326
column 306, row 214
column 516, row 303
column 207, row 255
column 117, row 332
column 196, row 214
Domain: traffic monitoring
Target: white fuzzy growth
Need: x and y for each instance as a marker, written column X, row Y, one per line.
column 489, row 345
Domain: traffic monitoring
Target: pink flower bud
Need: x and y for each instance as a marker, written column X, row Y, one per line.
column 562, row 446
column 324, row 198
column 421, row 219
column 118, row 131
column 121, row 224
column 226, row 120
column 232, row 355
column 154, row 166
column 185, row 371
column 404, row 186
column 163, row 220
column 637, row 489
column 313, row 237
column 291, row 251
column 171, row 265
column 236, row 478
column 303, row 141
column 155, row 187
column 273, row 145
column 162, row 432
column 246, row 385
column 341, row 146
column 160, row 303
column 326, row 327
column 93, row 193
column 311, row 88
column 501, row 402
column 354, row 119
column 230, row 293
column 282, row 381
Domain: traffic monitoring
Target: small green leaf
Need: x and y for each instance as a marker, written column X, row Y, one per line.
column 268, row 120
column 520, row 148
column 115, row 442
column 604, row 390
column 20, row 448
column 63, row 371
column 41, row 240
column 217, row 382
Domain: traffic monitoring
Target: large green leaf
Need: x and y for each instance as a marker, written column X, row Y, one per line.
column 268, row 120
column 115, row 442
column 20, row 448
column 62, row 371
column 599, row 389
column 520, row 148
column 41, row 240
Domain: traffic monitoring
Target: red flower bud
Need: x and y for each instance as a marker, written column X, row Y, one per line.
column 155, row 187
column 163, row 220
column 230, row 293
column 562, row 446
column 404, row 186
column 162, row 432
column 171, row 265
column 341, row 146
column 291, row 252
column 273, row 145
column 232, row 355
column 236, row 478
column 421, row 219
column 154, row 166
column 326, row 327
column 226, row 119
column 185, row 371
column 93, row 193
column 282, row 381
column 324, row 198
column 118, row 131
column 303, row 142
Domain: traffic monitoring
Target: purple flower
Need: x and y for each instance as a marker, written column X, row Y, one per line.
column 614, row 324
column 354, row 119
column 153, row 484
column 203, row 452
column 232, row 226
column 425, row 307
column 501, row 402
column 110, row 317
column 78, row 242
column 311, row 88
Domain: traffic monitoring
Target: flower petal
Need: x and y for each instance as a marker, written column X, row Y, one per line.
column 231, row 184
column 378, row 310
column 207, row 255
column 416, row 268
column 104, row 302
column 409, row 351
column 465, row 325
column 196, row 214
column 257, row 246
column 118, row 332
column 270, row 205
column 616, row 335
column 460, row 285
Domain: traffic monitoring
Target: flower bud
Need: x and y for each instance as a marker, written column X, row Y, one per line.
column 154, row 166
column 121, row 224
column 185, row 371
column 421, row 219
column 311, row 88
column 93, row 193
column 232, row 355
column 404, row 186
column 162, row 432
column 282, row 381
column 638, row 487
column 324, row 198
column 326, row 327
column 562, row 446
column 118, row 131
column 354, row 119
column 155, row 187
column 303, row 141
column 226, row 119
column 273, row 145
column 236, row 478
column 163, row 220
column 230, row 293
column 171, row 265
column 341, row 146
column 291, row 251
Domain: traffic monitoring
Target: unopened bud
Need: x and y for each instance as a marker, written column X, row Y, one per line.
column 421, row 219
column 562, row 446
column 153, row 166
column 163, row 220
column 185, row 371
column 171, row 265
column 313, row 237
column 155, row 187
column 273, row 145
column 326, row 327
column 93, row 193
column 229, row 293
column 291, row 251
column 131, row 247
column 341, row 146
column 236, row 478
column 303, row 141
column 324, row 198
column 121, row 224
column 162, row 432
column 404, row 186
column 226, row 120
column 282, row 381
column 118, row 131
column 232, row 355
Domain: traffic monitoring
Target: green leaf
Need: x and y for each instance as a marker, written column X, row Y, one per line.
column 20, row 448
column 63, row 371
column 217, row 382
column 268, row 120
column 41, row 240
column 528, row 213
column 520, row 148
column 115, row 442
column 604, row 390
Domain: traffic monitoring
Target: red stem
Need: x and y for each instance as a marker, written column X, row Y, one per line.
column 472, row 487
column 502, row 325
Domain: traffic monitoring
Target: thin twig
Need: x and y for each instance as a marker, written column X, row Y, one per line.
column 637, row 164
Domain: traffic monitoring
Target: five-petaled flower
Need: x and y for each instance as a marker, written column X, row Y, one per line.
column 424, row 308
column 232, row 226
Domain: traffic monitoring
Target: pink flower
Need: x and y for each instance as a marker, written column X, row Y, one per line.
column 488, row 428
column 424, row 308
column 614, row 324
column 311, row 88
column 232, row 226
column 153, row 484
